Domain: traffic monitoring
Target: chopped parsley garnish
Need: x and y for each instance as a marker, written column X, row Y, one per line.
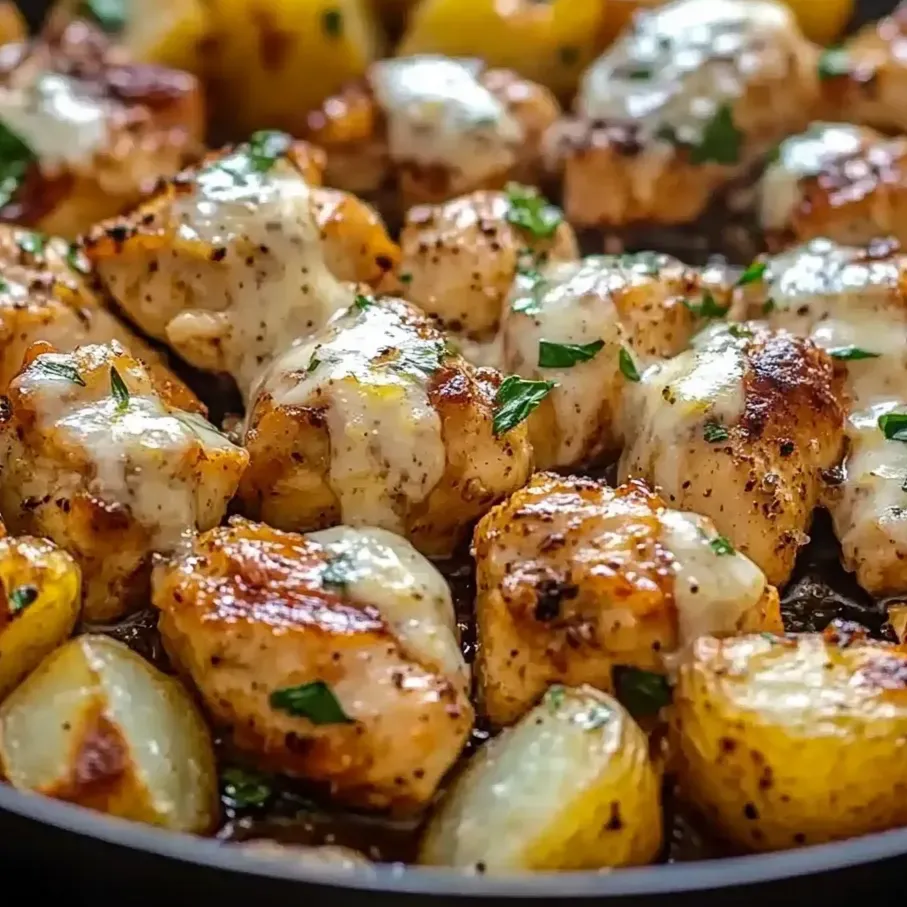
column 714, row 432
column 720, row 142
column 244, row 789
column 314, row 362
column 851, row 353
column 554, row 698
column 639, row 73
column 406, row 277
column 332, row 22
column 768, row 306
column 363, row 302
column 257, row 156
column 516, row 399
column 752, row 274
column 196, row 423
column 424, row 358
column 109, row 14
column 118, row 390
column 894, row 426
column 720, row 545
column 532, row 212
column 337, row 571
column 21, row 597
column 315, row 701
column 76, row 260
column 60, row 369
column 708, row 308
column 566, row 355
column 627, row 365
column 31, row 242
column 641, row 692
column 833, row 62
column 740, row 331
column 648, row 263
column 15, row 159
column 594, row 717
column 531, row 289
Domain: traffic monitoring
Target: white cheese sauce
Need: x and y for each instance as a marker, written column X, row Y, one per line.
column 369, row 370
column 385, row 571
column 439, row 113
column 677, row 65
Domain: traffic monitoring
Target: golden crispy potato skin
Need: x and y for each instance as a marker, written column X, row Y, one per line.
column 575, row 579
column 246, row 613
column 571, row 786
column 110, row 471
column 790, row 741
column 152, row 123
column 433, row 464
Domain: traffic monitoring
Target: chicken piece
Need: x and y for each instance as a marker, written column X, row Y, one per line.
column 85, row 130
column 45, row 296
column 687, row 99
column 97, row 459
column 836, row 180
column 232, row 261
column 375, row 422
column 459, row 259
column 433, row 127
column 332, row 657
column 740, row 429
column 584, row 325
column 576, row 578
column 852, row 302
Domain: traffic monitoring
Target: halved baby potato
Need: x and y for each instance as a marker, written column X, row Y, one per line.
column 97, row 725
column 39, row 604
column 570, row 786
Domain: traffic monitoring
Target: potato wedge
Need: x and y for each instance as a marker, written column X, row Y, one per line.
column 789, row 741
column 39, row 604
column 97, row 725
column 571, row 786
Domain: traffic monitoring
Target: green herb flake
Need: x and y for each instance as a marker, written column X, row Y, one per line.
column 15, row 159
column 721, row 140
column 531, row 289
column 21, row 597
column 740, row 331
column 406, row 278
column 627, row 365
column 314, row 362
column 768, row 306
column 566, row 355
column 58, row 369
column 641, row 692
column 833, row 63
column 266, row 147
column 423, row 359
column 569, row 55
column 894, row 426
column 315, row 701
column 594, row 717
column 714, row 432
column 118, row 390
column 77, row 260
column 109, row 14
column 851, row 353
column 752, row 274
column 31, row 242
column 196, row 423
column 532, row 212
column 904, row 485
column 337, row 571
column 243, row 789
column 332, row 22
column 554, row 698
column 516, row 399
column 708, row 308
column 720, row 545
column 363, row 302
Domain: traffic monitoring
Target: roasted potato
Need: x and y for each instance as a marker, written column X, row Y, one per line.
column 789, row 741
column 374, row 421
column 332, row 656
column 97, row 725
column 12, row 24
column 95, row 457
column 40, row 588
column 569, row 787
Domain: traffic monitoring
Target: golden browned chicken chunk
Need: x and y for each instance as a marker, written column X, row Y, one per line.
column 576, row 579
column 332, row 657
column 685, row 100
column 851, row 301
column 375, row 422
column 85, row 131
column 433, row 127
column 844, row 182
column 96, row 458
column 233, row 260
column 589, row 326
column 785, row 742
column 459, row 259
column 45, row 296
column 740, row 429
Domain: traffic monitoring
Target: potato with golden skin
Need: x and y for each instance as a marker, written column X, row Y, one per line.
column 783, row 742
column 375, row 422
column 41, row 597
column 97, row 725
column 575, row 579
column 571, row 786
column 331, row 657
column 97, row 458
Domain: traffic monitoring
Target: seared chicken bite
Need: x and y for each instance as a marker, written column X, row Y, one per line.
column 435, row 127
column 686, row 99
column 332, row 657
column 740, row 429
column 845, row 182
column 852, row 302
column 589, row 326
column 459, row 258
column 96, row 458
column 375, row 422
column 576, row 578
column 85, row 130
column 231, row 261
